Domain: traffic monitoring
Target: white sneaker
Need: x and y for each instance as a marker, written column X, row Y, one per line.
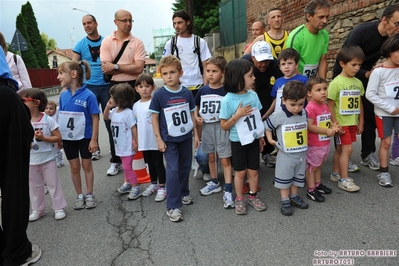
column 394, row 161
column 150, row 190
column 114, row 169
column 384, row 179
column 59, row 214
column 161, row 195
column 206, row 177
column 36, row 215
column 134, row 193
column 96, row 155
column 35, row 255
column 348, row 184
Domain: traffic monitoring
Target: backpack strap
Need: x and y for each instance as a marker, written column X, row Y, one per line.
column 15, row 59
column 173, row 46
column 198, row 52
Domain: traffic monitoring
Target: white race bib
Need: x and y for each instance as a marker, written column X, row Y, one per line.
column 295, row 137
column 250, row 127
column 39, row 145
column 323, row 121
column 72, row 125
column 210, row 107
column 392, row 92
column 310, row 70
column 279, row 95
column 349, row 102
column 119, row 133
column 178, row 120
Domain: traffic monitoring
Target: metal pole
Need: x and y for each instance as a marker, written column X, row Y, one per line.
column 19, row 48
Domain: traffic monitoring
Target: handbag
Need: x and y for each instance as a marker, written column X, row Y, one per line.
column 107, row 77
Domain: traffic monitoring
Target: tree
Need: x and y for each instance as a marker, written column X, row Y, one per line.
column 49, row 43
column 152, row 55
column 28, row 56
column 34, row 35
column 206, row 14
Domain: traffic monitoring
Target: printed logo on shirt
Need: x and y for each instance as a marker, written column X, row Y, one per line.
column 164, row 51
column 81, row 103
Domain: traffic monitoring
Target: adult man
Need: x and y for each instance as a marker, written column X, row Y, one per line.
column 89, row 49
column 370, row 36
column 16, row 133
column 129, row 66
column 258, row 28
column 266, row 71
column 275, row 36
column 311, row 39
column 185, row 49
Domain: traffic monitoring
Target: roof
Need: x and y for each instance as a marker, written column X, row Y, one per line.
column 63, row 52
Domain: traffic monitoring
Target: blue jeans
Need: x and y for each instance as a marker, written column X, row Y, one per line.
column 203, row 160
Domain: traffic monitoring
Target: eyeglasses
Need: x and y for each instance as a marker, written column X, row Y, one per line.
column 125, row 20
column 28, row 99
column 396, row 23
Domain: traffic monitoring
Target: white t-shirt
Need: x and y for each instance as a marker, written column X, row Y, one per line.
column 189, row 60
column 121, row 127
column 41, row 151
column 145, row 133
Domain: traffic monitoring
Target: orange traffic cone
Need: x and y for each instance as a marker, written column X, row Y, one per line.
column 140, row 168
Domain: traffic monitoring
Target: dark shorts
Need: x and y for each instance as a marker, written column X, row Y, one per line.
column 385, row 125
column 73, row 148
column 245, row 157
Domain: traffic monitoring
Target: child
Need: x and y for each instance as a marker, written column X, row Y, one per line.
column 146, row 139
column 51, row 110
column 43, row 168
column 78, row 106
column 382, row 91
column 346, row 109
column 122, row 122
column 240, row 113
column 288, row 63
column 319, row 132
column 172, row 109
column 214, row 139
column 290, row 124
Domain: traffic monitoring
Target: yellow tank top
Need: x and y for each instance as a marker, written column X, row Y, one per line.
column 277, row 45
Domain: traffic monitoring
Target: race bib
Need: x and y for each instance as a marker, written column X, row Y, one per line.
column 279, row 95
column 178, row 120
column 37, row 144
column 392, row 93
column 119, row 133
column 295, row 137
column 349, row 102
column 310, row 70
column 210, row 107
column 250, row 127
column 323, row 121
column 72, row 125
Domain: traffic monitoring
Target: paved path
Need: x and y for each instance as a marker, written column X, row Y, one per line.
column 120, row 232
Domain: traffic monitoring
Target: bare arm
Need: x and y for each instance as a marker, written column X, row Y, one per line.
column 93, row 146
column 155, row 126
column 323, row 66
column 249, row 48
column 75, row 56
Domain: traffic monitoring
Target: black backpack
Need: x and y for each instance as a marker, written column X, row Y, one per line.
column 197, row 50
column 15, row 59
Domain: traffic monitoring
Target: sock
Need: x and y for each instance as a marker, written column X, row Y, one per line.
column 316, row 184
column 154, row 183
column 228, row 187
column 252, row 194
column 215, row 180
column 163, row 186
column 384, row 169
column 311, row 189
column 293, row 195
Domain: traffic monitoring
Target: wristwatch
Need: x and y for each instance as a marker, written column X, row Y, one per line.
column 116, row 67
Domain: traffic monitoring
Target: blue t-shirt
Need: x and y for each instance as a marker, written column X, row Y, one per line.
column 165, row 98
column 89, row 50
column 5, row 72
column 280, row 82
column 230, row 104
column 82, row 101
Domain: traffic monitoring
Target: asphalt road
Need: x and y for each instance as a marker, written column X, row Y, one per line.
column 121, row 232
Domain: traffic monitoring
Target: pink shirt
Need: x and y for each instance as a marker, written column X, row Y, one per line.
column 321, row 113
column 134, row 51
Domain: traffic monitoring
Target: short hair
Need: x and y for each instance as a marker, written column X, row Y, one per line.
column 36, row 94
column 170, row 60
column 218, row 61
column 186, row 17
column 389, row 10
column 313, row 5
column 350, row 52
column 262, row 23
column 92, row 17
column 144, row 78
column 53, row 103
column 313, row 81
column 390, row 45
column 3, row 43
column 288, row 53
column 123, row 95
column 234, row 75
column 69, row 66
column 294, row 90
column 274, row 9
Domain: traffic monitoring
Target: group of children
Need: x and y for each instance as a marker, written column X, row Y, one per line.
column 162, row 125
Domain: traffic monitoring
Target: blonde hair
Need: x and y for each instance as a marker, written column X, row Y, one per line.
column 69, row 66
column 170, row 60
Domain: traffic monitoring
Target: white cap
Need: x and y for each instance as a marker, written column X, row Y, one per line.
column 262, row 51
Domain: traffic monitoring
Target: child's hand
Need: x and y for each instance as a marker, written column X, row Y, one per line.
column 273, row 142
column 39, row 134
column 262, row 143
column 93, row 146
column 111, row 104
column 134, row 146
column 199, row 120
column 244, row 111
column 161, row 145
column 395, row 111
column 60, row 145
column 359, row 129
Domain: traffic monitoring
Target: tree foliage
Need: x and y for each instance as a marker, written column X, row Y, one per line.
column 206, row 15
column 28, row 56
column 34, row 35
column 49, row 43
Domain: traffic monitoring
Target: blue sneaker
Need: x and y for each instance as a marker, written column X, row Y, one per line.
column 125, row 188
column 210, row 188
column 134, row 193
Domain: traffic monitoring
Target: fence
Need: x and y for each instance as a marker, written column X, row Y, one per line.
column 233, row 22
column 43, row 78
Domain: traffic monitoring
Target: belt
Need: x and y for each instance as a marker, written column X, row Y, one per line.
column 8, row 83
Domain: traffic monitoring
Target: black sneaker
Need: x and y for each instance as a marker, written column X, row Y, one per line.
column 286, row 208
column 315, row 196
column 298, row 202
column 323, row 189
